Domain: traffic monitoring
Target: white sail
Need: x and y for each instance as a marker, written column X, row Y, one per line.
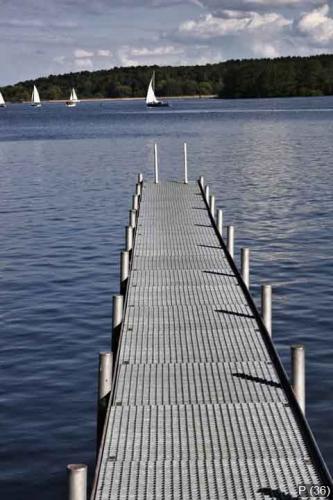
column 151, row 98
column 2, row 101
column 73, row 96
column 35, row 99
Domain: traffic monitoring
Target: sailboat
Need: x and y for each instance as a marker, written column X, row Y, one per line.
column 35, row 99
column 72, row 99
column 2, row 101
column 151, row 100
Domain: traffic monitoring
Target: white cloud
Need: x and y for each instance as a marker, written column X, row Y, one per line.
column 104, row 53
column 232, row 22
column 81, row 53
column 82, row 63
column 263, row 49
column 156, row 51
column 59, row 59
column 318, row 25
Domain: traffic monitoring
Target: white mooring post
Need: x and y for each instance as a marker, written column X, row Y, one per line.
column 298, row 374
column 212, row 206
column 138, row 189
column 156, row 163
column 140, row 178
column 266, row 307
column 132, row 218
column 77, row 481
column 124, row 270
column 105, row 369
column 185, row 164
column 202, row 182
column 129, row 238
column 117, row 318
column 220, row 221
column 135, row 202
column 245, row 266
column 230, row 240
column 207, row 194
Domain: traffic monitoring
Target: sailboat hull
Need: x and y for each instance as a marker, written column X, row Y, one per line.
column 3, row 106
column 159, row 104
column 36, row 105
column 70, row 104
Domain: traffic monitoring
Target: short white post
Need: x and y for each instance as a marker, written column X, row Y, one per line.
column 220, row 221
column 124, row 270
column 135, row 202
column 207, row 194
column 132, row 218
column 105, row 368
column 138, row 190
column 117, row 318
column 212, row 206
column 129, row 238
column 185, row 164
column 77, row 481
column 202, row 181
column 230, row 240
column 140, row 178
column 298, row 374
column 245, row 266
column 156, row 163
column 266, row 307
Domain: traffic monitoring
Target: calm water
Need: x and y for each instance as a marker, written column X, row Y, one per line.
column 66, row 180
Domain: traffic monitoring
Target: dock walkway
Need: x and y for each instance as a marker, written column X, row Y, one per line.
column 201, row 407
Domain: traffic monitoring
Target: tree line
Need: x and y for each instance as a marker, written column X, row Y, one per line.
column 280, row 77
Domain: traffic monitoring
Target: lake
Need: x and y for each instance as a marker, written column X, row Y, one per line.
column 66, row 181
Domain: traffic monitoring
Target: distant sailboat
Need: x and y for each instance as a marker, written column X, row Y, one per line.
column 35, row 99
column 2, row 102
column 151, row 100
column 72, row 99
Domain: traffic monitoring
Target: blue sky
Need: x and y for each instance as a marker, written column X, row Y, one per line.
column 40, row 37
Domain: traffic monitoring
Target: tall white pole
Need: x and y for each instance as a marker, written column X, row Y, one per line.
column 185, row 164
column 156, row 163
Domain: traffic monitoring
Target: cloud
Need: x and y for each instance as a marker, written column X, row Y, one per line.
column 317, row 25
column 104, row 53
column 81, row 53
column 82, row 64
column 232, row 22
column 156, row 51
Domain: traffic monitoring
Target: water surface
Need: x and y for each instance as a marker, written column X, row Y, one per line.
column 66, row 181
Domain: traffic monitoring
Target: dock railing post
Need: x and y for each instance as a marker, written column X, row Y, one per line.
column 117, row 318
column 266, row 307
column 124, row 270
column 77, row 481
column 245, row 266
column 207, row 194
column 132, row 218
column 220, row 221
column 105, row 369
column 138, row 190
column 185, row 164
column 212, row 206
column 140, row 178
column 129, row 238
column 298, row 374
column 202, row 182
column 230, row 240
column 156, row 163
column 135, row 202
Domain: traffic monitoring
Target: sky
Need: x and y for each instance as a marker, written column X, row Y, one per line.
column 42, row 37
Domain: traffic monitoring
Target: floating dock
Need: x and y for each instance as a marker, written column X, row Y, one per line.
column 200, row 405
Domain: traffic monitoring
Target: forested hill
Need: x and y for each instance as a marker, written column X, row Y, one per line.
column 281, row 77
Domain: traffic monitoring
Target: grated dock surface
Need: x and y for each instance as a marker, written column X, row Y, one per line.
column 198, row 409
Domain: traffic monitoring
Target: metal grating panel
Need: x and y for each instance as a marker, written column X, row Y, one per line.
column 198, row 410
